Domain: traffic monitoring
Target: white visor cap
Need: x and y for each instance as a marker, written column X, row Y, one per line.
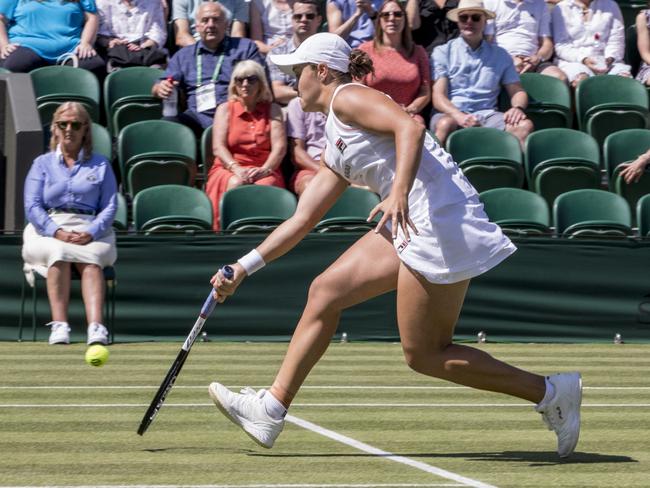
column 324, row 47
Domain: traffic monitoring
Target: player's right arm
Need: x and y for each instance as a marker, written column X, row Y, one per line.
column 319, row 196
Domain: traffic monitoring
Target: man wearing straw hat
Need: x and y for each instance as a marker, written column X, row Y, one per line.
column 469, row 74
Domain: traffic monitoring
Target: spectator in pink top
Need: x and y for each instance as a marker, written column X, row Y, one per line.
column 401, row 66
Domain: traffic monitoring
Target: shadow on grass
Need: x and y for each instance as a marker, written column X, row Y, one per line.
column 534, row 458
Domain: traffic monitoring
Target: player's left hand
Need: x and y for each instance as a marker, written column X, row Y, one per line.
column 395, row 208
column 223, row 287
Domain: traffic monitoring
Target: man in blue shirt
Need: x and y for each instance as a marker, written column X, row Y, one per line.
column 202, row 71
column 469, row 73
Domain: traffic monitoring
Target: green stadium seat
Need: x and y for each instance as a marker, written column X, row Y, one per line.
column 121, row 221
column 518, row 212
column 560, row 160
column 592, row 213
column 490, row 158
column 206, row 153
column 549, row 101
column 350, row 212
column 624, row 147
column 606, row 104
column 54, row 85
column 643, row 215
column 167, row 151
column 172, row 208
column 102, row 143
column 128, row 99
column 4, row 71
column 255, row 208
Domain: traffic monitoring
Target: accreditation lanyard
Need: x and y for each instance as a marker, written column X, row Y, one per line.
column 217, row 68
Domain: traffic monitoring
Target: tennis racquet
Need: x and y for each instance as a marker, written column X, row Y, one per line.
column 172, row 374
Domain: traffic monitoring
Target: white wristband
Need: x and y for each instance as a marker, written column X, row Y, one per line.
column 252, row 262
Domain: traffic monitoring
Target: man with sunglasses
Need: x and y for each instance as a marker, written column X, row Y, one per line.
column 202, row 71
column 469, row 73
column 305, row 21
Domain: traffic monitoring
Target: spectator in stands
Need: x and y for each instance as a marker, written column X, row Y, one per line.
column 184, row 19
column 305, row 21
column 248, row 138
column 523, row 28
column 643, row 45
column 70, row 202
column 633, row 171
column 589, row 39
column 352, row 19
column 469, row 74
column 270, row 23
column 40, row 33
column 431, row 27
column 202, row 71
column 401, row 68
column 306, row 133
column 131, row 33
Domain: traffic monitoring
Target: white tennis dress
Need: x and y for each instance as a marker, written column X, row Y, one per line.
column 456, row 239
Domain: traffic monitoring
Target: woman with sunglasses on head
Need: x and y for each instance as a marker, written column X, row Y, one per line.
column 432, row 238
column 70, row 203
column 248, row 136
column 401, row 68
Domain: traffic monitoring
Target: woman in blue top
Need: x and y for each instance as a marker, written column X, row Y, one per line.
column 70, row 202
column 35, row 33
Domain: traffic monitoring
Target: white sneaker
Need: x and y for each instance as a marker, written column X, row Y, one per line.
column 97, row 334
column 247, row 411
column 60, row 333
column 562, row 412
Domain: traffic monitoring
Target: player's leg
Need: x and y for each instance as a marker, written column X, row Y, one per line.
column 427, row 315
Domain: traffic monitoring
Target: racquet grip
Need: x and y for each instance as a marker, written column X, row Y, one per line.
column 210, row 302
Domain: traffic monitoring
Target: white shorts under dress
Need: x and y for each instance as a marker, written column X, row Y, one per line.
column 456, row 239
column 40, row 252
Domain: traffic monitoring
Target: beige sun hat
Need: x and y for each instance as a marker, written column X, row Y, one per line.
column 469, row 5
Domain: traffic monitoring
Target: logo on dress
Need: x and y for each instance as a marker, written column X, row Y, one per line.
column 402, row 246
column 340, row 145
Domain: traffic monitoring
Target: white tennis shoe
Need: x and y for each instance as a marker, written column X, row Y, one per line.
column 562, row 412
column 246, row 409
column 97, row 334
column 60, row 333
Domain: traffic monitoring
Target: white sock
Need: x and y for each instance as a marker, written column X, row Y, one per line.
column 273, row 407
column 550, row 392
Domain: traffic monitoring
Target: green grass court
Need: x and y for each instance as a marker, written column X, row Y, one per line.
column 63, row 423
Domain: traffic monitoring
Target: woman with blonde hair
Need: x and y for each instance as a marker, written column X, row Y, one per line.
column 70, row 203
column 248, row 136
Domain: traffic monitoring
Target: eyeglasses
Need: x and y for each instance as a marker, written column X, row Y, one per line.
column 466, row 17
column 398, row 14
column 74, row 125
column 306, row 16
column 250, row 79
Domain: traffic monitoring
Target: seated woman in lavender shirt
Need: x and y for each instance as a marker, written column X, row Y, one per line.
column 70, row 202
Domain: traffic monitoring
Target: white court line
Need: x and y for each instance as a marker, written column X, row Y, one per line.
column 325, row 387
column 310, row 485
column 329, row 405
column 361, row 446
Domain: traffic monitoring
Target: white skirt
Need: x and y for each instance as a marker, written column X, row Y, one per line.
column 456, row 242
column 40, row 252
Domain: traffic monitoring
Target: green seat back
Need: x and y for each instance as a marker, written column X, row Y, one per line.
column 519, row 210
column 490, row 158
column 58, row 84
column 350, row 211
column 546, row 91
column 131, row 112
column 624, row 147
column 146, row 173
column 207, row 158
column 643, row 215
column 121, row 221
column 129, row 85
column 177, row 206
column 592, row 211
column 609, row 92
column 256, row 205
column 102, row 141
column 4, row 71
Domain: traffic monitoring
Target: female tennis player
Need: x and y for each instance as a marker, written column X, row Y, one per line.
column 432, row 238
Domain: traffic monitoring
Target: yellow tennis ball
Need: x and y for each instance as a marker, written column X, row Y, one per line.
column 96, row 355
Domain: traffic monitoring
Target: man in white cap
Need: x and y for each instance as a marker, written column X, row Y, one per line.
column 469, row 73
